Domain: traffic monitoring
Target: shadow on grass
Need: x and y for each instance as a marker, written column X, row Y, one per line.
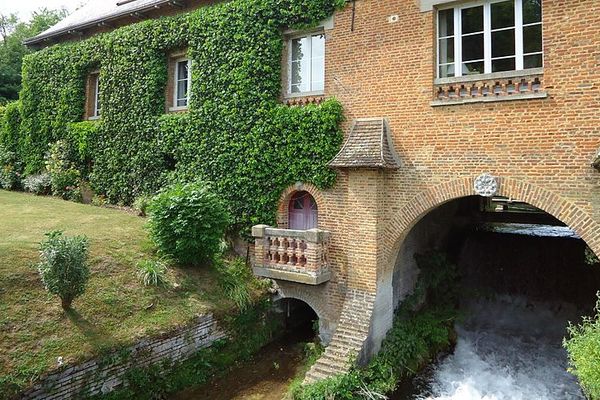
column 99, row 338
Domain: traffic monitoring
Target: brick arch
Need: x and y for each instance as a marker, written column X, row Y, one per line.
column 284, row 202
column 319, row 307
column 562, row 209
column 315, row 300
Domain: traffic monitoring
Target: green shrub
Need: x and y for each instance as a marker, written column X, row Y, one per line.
column 81, row 137
column 64, row 267
column 141, row 204
column 152, row 272
column 40, row 184
column 236, row 278
column 10, row 177
column 583, row 346
column 187, row 223
column 64, row 176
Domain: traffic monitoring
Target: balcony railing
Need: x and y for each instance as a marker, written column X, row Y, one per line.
column 291, row 255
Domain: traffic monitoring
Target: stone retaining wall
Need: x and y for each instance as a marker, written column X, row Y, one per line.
column 103, row 375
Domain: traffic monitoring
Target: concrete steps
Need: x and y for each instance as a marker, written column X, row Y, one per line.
column 349, row 337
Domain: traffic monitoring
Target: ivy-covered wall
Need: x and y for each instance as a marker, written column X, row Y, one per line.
column 236, row 134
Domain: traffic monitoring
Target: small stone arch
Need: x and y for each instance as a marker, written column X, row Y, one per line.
column 327, row 322
column 284, row 202
column 564, row 210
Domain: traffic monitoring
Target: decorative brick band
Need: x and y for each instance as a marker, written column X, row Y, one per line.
column 499, row 89
column 105, row 374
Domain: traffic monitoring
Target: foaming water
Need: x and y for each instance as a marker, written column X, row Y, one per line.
column 507, row 349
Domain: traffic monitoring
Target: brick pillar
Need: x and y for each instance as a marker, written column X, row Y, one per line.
column 365, row 230
column 366, row 212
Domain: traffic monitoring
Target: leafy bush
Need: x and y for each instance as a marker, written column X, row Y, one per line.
column 64, row 267
column 40, row 184
column 583, row 346
column 152, row 272
column 141, row 204
column 81, row 138
column 236, row 278
column 9, row 170
column 187, row 223
column 64, row 177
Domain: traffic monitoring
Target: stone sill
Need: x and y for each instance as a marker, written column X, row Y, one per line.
column 94, row 118
column 178, row 109
column 291, row 276
column 489, row 77
column 489, row 99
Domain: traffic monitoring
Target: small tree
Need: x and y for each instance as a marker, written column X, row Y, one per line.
column 187, row 223
column 63, row 267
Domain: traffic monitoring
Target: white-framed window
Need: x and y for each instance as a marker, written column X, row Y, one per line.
column 306, row 64
column 96, row 98
column 489, row 36
column 183, row 80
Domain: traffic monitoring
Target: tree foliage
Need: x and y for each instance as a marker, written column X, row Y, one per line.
column 237, row 135
column 12, row 34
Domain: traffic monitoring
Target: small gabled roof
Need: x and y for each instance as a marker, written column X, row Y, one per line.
column 96, row 12
column 369, row 145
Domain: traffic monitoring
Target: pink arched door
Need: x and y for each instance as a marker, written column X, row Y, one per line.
column 302, row 211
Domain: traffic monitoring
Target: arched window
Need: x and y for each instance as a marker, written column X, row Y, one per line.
column 302, row 211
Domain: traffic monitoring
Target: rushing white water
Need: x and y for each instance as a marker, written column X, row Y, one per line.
column 508, row 349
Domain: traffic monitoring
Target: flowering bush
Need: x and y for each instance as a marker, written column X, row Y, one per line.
column 38, row 184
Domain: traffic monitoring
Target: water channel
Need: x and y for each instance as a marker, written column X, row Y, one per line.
column 509, row 340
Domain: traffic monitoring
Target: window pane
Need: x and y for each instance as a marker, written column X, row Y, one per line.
column 532, row 61
column 318, row 46
column 472, row 47
column 446, row 71
column 532, row 11
column 472, row 68
column 182, row 70
column 182, row 89
column 446, row 22
column 503, row 43
column 503, row 14
column 532, row 38
column 505, row 64
column 446, row 50
column 299, row 47
column 472, row 19
column 296, row 73
column 318, row 74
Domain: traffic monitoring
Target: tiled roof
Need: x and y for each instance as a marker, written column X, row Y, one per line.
column 95, row 12
column 368, row 145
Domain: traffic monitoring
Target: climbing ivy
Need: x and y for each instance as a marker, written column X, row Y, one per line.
column 236, row 133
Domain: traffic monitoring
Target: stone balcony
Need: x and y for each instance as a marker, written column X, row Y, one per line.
column 291, row 255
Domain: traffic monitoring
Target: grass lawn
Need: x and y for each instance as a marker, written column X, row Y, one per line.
column 116, row 308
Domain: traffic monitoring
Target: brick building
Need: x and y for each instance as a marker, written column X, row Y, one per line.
column 444, row 100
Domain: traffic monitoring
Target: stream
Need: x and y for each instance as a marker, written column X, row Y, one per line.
column 508, row 348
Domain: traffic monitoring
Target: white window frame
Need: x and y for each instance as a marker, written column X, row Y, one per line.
column 96, row 110
column 309, row 51
column 487, row 38
column 176, row 97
